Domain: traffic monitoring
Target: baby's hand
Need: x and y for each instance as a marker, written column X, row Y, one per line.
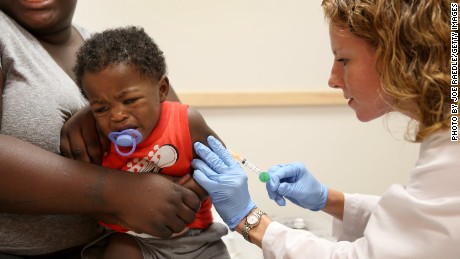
column 188, row 182
column 182, row 180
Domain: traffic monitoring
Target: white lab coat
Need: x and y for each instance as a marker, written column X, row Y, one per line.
column 420, row 220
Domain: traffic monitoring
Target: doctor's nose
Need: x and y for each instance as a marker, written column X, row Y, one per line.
column 336, row 77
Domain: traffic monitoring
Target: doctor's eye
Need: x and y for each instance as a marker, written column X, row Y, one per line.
column 344, row 61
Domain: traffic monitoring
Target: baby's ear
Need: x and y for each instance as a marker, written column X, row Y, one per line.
column 163, row 88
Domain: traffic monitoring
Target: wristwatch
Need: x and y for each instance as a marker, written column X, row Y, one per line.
column 252, row 220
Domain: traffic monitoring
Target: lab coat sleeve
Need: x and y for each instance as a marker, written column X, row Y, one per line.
column 420, row 220
column 358, row 209
column 401, row 226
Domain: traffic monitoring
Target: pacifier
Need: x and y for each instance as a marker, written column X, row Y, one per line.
column 125, row 138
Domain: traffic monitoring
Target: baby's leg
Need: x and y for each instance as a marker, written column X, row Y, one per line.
column 122, row 246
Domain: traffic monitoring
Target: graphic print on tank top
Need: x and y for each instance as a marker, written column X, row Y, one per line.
column 156, row 159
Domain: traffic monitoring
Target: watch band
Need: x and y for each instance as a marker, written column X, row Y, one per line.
column 257, row 215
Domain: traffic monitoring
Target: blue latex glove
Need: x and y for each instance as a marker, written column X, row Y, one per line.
column 294, row 182
column 225, row 181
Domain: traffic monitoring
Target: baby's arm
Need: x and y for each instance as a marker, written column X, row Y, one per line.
column 199, row 131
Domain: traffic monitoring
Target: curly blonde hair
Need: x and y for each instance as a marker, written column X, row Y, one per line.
column 412, row 42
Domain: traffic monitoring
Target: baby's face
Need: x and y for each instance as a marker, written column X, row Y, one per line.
column 120, row 98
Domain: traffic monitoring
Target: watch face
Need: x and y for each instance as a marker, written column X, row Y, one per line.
column 252, row 219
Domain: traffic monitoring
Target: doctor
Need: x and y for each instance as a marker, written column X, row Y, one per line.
column 389, row 56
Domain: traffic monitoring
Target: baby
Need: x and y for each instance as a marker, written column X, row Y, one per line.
column 122, row 72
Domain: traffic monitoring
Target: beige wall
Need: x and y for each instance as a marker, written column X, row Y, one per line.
column 266, row 45
column 237, row 44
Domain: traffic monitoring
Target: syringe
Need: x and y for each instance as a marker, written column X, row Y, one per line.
column 263, row 176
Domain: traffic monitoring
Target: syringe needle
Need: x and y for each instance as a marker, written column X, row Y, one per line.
column 263, row 176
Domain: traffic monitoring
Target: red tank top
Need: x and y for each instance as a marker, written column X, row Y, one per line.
column 168, row 150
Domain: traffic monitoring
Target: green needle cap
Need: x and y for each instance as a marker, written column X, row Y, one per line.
column 264, row 177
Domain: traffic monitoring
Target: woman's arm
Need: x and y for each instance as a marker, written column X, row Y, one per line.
column 2, row 85
column 256, row 233
column 35, row 181
column 335, row 204
column 334, row 207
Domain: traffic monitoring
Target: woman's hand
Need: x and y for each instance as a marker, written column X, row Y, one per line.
column 297, row 184
column 224, row 180
column 149, row 203
column 80, row 139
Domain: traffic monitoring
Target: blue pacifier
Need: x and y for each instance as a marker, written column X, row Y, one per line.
column 125, row 138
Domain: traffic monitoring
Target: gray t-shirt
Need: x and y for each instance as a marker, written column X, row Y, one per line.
column 38, row 98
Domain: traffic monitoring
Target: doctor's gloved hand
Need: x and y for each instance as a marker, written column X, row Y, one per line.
column 224, row 180
column 294, row 182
